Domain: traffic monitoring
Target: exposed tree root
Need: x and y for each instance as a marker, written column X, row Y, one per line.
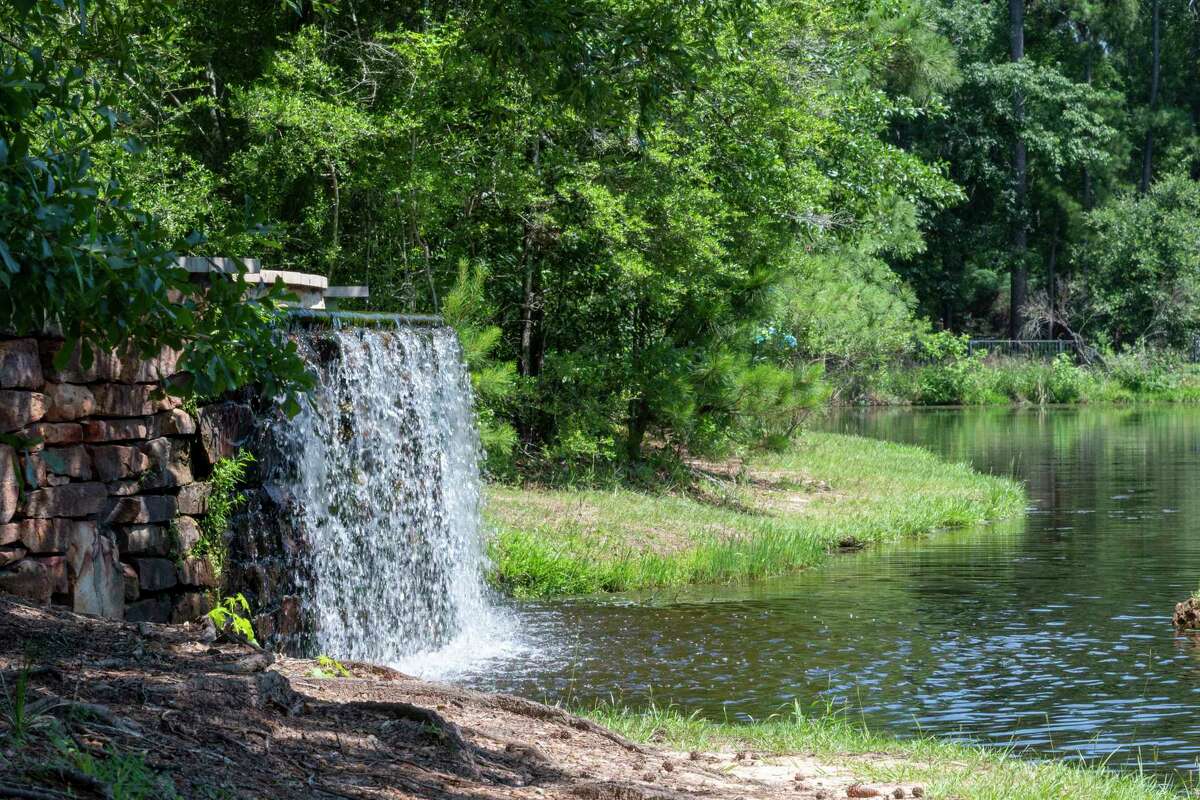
column 434, row 722
column 29, row 793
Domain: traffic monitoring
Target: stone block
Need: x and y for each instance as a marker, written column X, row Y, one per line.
column 72, row 462
column 10, row 533
column 125, row 366
column 20, row 365
column 117, row 430
column 224, row 428
column 124, row 400
column 124, row 488
column 28, row 579
column 98, row 581
column 69, row 402
column 140, row 509
column 131, row 399
column 74, row 371
column 156, row 574
column 116, row 461
column 34, row 470
column 191, row 606
column 187, row 532
column 152, row 609
column 151, row 370
column 56, row 570
column 52, row 535
column 10, row 483
column 11, row 554
column 71, row 500
column 45, row 535
column 20, row 408
column 129, row 576
column 52, row 433
column 193, row 498
column 253, row 577
column 197, row 572
column 264, row 627
column 288, row 619
column 176, row 422
column 170, row 463
column 147, row 540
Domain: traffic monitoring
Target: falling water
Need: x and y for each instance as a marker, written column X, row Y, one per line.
column 384, row 472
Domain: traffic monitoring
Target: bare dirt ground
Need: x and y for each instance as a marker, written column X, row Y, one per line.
column 205, row 718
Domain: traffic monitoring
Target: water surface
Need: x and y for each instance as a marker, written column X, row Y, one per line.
column 1051, row 631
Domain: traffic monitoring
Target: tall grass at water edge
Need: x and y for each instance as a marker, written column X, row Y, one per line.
column 786, row 512
column 976, row 380
column 943, row 768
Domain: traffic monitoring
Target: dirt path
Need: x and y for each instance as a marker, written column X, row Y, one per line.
column 222, row 720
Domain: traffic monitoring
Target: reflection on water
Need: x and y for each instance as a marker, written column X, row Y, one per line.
column 1051, row 632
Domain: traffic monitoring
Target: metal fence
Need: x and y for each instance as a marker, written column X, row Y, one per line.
column 1024, row 348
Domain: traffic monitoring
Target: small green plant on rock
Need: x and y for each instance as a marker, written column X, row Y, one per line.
column 224, row 497
column 234, row 613
column 329, row 667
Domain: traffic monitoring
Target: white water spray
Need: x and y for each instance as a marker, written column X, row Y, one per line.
column 386, row 475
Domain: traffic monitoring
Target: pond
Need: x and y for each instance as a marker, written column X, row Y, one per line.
column 1050, row 632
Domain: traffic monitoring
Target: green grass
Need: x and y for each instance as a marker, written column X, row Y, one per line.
column 1004, row 381
column 945, row 769
column 783, row 513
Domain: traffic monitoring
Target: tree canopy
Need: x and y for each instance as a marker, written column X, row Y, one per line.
column 657, row 221
column 79, row 254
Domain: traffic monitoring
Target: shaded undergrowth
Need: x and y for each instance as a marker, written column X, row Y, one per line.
column 52, row 747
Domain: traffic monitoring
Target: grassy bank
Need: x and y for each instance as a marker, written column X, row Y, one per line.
column 781, row 513
column 956, row 378
column 944, row 768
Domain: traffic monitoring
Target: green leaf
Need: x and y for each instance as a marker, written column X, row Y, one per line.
column 6, row 256
column 63, row 357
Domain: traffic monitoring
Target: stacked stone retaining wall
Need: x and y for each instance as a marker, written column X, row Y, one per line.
column 103, row 482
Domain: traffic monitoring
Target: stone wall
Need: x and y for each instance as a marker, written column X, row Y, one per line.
column 102, row 482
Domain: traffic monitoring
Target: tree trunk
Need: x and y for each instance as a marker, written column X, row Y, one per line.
column 529, row 310
column 639, row 420
column 1194, row 60
column 1155, row 54
column 1052, row 285
column 337, row 203
column 530, row 300
column 1018, row 286
column 1089, row 194
column 214, row 108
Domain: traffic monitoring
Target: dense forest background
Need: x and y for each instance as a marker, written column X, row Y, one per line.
column 651, row 221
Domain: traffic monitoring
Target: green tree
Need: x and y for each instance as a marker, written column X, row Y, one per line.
column 1143, row 257
column 1065, row 127
column 77, row 255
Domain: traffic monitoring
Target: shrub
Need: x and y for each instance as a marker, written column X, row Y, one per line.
column 233, row 613
column 1142, row 370
column 77, row 252
column 1067, row 381
column 227, row 476
column 952, row 376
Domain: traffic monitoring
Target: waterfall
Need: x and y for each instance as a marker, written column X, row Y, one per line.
column 382, row 465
